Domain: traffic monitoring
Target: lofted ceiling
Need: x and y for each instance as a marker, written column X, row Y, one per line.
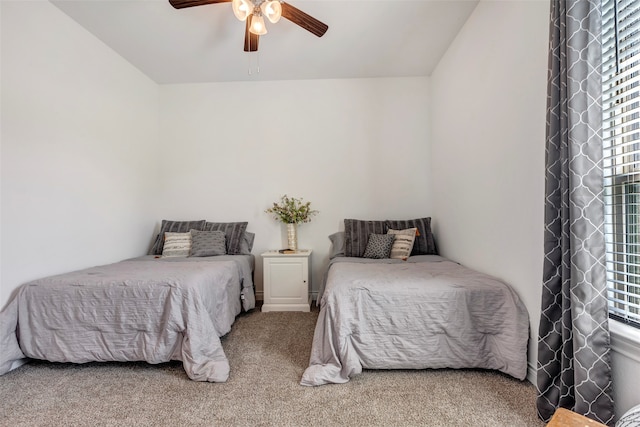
column 366, row 38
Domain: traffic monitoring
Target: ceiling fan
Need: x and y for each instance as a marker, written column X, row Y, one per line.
column 253, row 13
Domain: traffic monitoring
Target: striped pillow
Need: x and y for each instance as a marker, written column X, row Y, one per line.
column 403, row 243
column 176, row 245
column 234, row 233
column 175, row 227
column 425, row 243
column 356, row 235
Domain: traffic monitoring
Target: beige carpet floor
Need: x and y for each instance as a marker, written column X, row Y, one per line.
column 268, row 353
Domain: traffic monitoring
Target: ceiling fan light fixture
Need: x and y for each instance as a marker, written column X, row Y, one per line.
column 242, row 9
column 253, row 12
column 257, row 25
column 272, row 9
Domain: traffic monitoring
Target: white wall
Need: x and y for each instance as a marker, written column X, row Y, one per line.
column 79, row 128
column 86, row 176
column 488, row 107
column 488, row 114
column 353, row 148
column 88, row 171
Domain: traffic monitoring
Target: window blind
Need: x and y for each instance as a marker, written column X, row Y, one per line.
column 621, row 160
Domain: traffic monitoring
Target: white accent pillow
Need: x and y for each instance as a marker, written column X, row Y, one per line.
column 176, row 245
column 403, row 243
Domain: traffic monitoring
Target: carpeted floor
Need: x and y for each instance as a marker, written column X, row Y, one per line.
column 268, row 353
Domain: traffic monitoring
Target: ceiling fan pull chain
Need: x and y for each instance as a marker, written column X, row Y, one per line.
column 249, row 64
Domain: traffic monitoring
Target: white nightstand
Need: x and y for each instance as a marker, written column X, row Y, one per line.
column 286, row 281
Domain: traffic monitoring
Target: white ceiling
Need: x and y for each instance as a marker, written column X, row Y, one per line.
column 366, row 38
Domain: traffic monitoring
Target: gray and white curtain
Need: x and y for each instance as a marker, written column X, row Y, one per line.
column 574, row 369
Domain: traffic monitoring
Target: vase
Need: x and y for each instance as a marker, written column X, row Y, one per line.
column 292, row 236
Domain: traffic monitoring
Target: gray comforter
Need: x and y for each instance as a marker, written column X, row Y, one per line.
column 428, row 312
column 141, row 309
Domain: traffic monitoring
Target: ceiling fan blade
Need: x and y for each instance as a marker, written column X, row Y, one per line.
column 179, row 4
column 250, row 39
column 300, row 18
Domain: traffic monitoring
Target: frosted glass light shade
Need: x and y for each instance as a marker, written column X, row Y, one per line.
column 272, row 10
column 242, row 9
column 257, row 25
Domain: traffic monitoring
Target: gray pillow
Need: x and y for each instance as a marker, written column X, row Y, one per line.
column 424, row 244
column 356, row 235
column 207, row 243
column 631, row 418
column 379, row 246
column 246, row 244
column 234, row 231
column 174, row 227
column 337, row 244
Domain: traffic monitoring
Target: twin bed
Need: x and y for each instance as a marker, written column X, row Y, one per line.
column 426, row 312
column 152, row 308
column 415, row 310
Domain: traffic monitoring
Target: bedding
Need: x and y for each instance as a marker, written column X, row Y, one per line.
column 424, row 243
column 234, row 232
column 379, row 246
column 176, row 227
column 356, row 235
column 403, row 243
column 207, row 243
column 337, row 244
column 176, row 245
column 246, row 244
column 148, row 308
column 357, row 232
column 425, row 312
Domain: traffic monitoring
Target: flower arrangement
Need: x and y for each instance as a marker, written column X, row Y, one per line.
column 291, row 210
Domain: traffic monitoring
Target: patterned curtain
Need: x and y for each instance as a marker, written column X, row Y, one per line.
column 574, row 369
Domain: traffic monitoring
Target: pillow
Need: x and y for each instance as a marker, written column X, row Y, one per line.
column 403, row 243
column 234, row 231
column 356, row 235
column 337, row 244
column 173, row 226
column 424, row 243
column 207, row 243
column 630, row 418
column 176, row 245
column 246, row 244
column 379, row 246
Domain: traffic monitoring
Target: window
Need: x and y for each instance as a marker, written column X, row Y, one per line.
column 621, row 161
